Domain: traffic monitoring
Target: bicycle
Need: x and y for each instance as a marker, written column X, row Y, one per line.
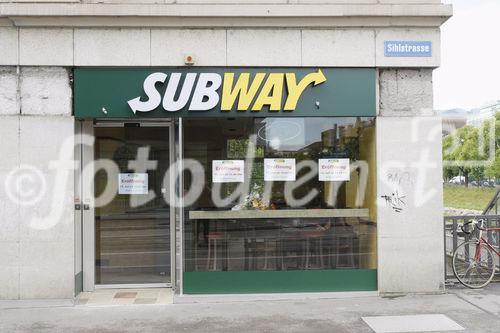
column 473, row 260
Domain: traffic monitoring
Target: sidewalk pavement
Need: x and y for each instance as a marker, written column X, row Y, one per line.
column 474, row 310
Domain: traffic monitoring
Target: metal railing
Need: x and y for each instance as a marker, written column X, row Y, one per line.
column 453, row 237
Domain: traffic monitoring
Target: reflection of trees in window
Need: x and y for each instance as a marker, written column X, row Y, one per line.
column 341, row 137
column 238, row 149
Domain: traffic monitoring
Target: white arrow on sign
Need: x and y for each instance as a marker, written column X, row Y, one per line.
column 154, row 97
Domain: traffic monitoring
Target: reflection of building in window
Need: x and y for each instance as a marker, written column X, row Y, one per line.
column 481, row 114
column 454, row 119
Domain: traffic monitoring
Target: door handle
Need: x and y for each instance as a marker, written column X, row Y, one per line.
column 86, row 207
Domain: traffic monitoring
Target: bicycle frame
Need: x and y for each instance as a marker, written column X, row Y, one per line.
column 484, row 241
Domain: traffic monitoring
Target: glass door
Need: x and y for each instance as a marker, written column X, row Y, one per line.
column 132, row 218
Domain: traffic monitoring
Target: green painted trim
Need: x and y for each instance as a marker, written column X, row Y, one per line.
column 246, row 282
column 104, row 92
column 78, row 283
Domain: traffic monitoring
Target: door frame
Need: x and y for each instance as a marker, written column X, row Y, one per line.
column 87, row 207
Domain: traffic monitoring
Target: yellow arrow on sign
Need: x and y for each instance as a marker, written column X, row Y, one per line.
column 296, row 89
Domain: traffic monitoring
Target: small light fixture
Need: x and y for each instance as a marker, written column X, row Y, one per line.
column 189, row 60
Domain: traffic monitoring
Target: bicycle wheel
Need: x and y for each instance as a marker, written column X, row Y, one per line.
column 473, row 271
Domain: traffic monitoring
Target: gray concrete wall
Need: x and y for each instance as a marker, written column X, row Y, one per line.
column 349, row 47
column 405, row 92
column 409, row 184
column 36, row 229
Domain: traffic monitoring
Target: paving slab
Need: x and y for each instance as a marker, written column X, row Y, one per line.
column 487, row 299
column 414, row 323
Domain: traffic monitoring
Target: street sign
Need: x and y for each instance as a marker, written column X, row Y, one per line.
column 408, row 48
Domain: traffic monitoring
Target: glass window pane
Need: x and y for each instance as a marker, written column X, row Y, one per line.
column 132, row 242
column 296, row 234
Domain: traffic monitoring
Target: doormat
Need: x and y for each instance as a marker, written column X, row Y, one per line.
column 100, row 297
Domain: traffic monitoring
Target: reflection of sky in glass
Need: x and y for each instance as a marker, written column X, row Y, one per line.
column 297, row 133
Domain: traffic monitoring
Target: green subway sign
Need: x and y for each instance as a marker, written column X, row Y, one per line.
column 224, row 92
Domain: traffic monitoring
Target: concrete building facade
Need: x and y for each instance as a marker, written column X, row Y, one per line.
column 42, row 250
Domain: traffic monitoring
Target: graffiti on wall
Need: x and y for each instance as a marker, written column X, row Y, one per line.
column 399, row 182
